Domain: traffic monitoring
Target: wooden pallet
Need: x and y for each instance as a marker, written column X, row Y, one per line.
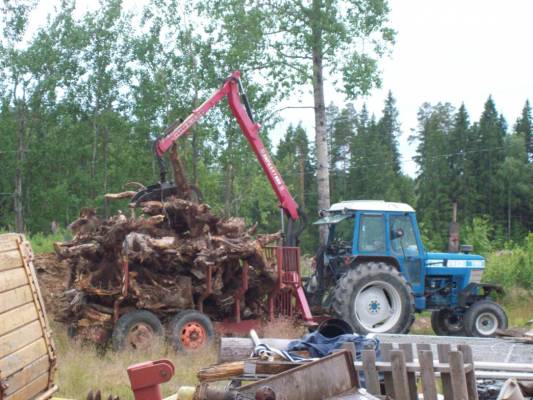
column 27, row 356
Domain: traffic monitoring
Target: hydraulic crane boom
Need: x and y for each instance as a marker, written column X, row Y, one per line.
column 233, row 90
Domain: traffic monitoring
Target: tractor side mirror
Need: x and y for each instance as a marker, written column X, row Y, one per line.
column 397, row 233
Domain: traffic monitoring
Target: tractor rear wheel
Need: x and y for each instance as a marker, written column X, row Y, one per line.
column 484, row 318
column 191, row 330
column 375, row 297
column 447, row 323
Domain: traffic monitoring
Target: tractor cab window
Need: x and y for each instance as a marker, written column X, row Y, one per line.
column 341, row 237
column 372, row 233
column 402, row 235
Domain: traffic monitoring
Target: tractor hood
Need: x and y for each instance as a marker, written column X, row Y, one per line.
column 454, row 260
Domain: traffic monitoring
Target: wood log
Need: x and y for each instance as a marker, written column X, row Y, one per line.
column 228, row 370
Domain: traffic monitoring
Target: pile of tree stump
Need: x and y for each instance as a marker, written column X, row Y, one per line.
column 159, row 261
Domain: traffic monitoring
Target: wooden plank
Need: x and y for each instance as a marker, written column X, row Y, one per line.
column 427, row 374
column 423, row 347
column 458, row 376
column 470, row 375
column 22, row 357
column 9, row 260
column 442, row 351
column 350, row 346
column 17, row 317
column 29, row 373
column 19, row 338
column 399, row 376
column 31, row 390
column 14, row 298
column 12, row 279
column 370, row 372
column 385, row 366
column 386, row 348
column 7, row 244
column 407, row 349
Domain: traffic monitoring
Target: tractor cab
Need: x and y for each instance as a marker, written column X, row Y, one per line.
column 375, row 253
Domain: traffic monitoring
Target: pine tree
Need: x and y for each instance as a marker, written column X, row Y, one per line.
column 524, row 126
column 490, row 156
column 389, row 130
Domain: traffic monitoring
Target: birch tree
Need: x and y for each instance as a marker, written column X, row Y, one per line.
column 308, row 43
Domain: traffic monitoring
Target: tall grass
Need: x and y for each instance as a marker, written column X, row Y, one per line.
column 42, row 243
column 84, row 367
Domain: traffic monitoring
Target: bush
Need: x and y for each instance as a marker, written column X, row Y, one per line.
column 478, row 234
column 512, row 267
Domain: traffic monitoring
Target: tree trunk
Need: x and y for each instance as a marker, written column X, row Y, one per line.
column 321, row 140
column 105, row 156
column 301, row 165
column 18, row 202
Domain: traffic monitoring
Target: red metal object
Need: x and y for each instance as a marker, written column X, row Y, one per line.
column 193, row 336
column 146, row 377
column 230, row 89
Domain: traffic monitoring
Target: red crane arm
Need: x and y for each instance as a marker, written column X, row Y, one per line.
column 230, row 89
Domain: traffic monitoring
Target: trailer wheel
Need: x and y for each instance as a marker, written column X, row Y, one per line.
column 136, row 330
column 447, row 323
column 483, row 318
column 191, row 330
column 375, row 297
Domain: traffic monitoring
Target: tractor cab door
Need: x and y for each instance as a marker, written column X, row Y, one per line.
column 404, row 245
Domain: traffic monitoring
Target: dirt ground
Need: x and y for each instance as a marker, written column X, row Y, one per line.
column 53, row 278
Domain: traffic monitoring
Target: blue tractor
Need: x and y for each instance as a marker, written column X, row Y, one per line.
column 375, row 274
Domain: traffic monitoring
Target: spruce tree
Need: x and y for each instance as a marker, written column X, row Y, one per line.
column 524, row 126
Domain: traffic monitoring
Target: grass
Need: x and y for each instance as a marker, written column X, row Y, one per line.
column 82, row 367
column 85, row 367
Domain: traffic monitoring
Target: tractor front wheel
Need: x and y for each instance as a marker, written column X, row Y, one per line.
column 375, row 297
column 484, row 318
column 447, row 323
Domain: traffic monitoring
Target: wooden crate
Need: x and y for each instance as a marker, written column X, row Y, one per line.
column 27, row 356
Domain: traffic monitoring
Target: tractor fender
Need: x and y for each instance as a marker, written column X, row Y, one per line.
column 471, row 293
column 364, row 259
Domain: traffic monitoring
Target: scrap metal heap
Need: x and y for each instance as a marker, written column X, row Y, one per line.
column 178, row 255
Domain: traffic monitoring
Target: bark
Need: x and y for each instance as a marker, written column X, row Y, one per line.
column 170, row 252
column 321, row 142
column 20, row 155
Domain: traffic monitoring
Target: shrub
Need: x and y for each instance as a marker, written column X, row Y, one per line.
column 512, row 267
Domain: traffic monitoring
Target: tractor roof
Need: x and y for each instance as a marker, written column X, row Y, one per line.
column 371, row 205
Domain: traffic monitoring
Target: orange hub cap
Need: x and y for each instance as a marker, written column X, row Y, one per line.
column 193, row 335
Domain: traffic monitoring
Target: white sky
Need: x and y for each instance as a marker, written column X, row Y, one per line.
column 455, row 51
column 446, row 50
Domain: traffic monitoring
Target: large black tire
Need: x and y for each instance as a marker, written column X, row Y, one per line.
column 445, row 323
column 137, row 330
column 191, row 330
column 483, row 318
column 396, row 291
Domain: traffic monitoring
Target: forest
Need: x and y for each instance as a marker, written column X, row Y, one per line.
column 85, row 94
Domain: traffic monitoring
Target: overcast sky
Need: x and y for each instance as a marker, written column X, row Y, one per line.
column 455, row 51
column 446, row 50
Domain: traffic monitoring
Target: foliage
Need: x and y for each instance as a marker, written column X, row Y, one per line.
column 478, row 234
column 44, row 243
column 512, row 267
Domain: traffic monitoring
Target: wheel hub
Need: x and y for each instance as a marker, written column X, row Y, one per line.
column 486, row 324
column 140, row 336
column 193, row 335
column 374, row 306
